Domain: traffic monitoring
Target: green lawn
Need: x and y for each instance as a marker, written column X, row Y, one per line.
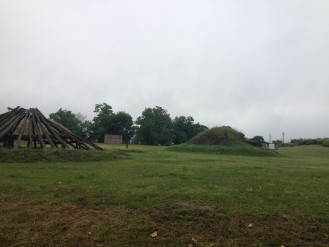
column 188, row 199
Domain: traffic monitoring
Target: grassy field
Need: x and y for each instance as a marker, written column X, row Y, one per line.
column 152, row 196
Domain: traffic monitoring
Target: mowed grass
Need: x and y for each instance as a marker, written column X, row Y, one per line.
column 182, row 198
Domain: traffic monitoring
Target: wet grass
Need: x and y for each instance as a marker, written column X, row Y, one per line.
column 188, row 199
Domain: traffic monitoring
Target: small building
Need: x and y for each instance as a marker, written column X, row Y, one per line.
column 271, row 146
column 113, row 139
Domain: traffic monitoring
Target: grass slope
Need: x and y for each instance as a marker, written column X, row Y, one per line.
column 221, row 140
column 234, row 149
column 25, row 155
column 188, row 199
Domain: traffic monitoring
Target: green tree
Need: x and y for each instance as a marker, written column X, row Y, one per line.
column 108, row 122
column 102, row 121
column 76, row 123
column 85, row 125
column 258, row 139
column 122, row 124
column 154, row 127
column 184, row 129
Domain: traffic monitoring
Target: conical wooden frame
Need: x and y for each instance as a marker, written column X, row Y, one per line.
column 32, row 127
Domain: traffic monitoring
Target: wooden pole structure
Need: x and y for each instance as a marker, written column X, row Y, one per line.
column 32, row 126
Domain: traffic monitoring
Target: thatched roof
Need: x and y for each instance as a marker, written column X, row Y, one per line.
column 31, row 126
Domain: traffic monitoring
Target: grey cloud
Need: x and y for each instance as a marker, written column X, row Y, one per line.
column 260, row 66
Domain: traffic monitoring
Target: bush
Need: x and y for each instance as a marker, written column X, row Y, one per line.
column 318, row 141
column 325, row 142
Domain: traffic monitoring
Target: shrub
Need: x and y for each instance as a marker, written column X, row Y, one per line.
column 325, row 142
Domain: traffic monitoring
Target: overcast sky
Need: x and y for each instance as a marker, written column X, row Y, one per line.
column 259, row 66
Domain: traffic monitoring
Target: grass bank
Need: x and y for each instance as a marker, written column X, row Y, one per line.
column 25, row 155
column 238, row 148
column 168, row 198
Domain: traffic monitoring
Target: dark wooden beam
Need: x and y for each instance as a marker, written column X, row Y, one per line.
column 22, row 130
column 9, row 125
column 7, row 115
column 36, row 128
column 50, row 129
column 44, row 132
column 31, row 125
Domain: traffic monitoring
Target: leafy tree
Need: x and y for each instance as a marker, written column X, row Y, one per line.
column 184, row 129
column 258, row 139
column 154, row 127
column 102, row 121
column 74, row 122
column 122, row 124
column 85, row 125
column 310, row 141
column 86, row 128
column 325, row 142
column 108, row 122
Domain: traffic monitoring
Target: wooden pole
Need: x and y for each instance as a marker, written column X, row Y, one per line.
column 22, row 130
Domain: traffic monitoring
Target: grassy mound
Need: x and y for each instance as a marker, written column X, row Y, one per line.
column 25, row 155
column 222, row 140
column 218, row 136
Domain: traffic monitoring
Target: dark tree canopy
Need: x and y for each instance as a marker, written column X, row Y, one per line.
column 102, row 121
column 154, row 127
column 184, row 129
column 108, row 122
column 258, row 139
column 122, row 124
column 105, row 122
column 74, row 122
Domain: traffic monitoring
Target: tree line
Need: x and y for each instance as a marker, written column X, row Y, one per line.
column 311, row 141
column 153, row 127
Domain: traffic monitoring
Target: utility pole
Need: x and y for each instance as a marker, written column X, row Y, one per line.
column 282, row 137
column 270, row 138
